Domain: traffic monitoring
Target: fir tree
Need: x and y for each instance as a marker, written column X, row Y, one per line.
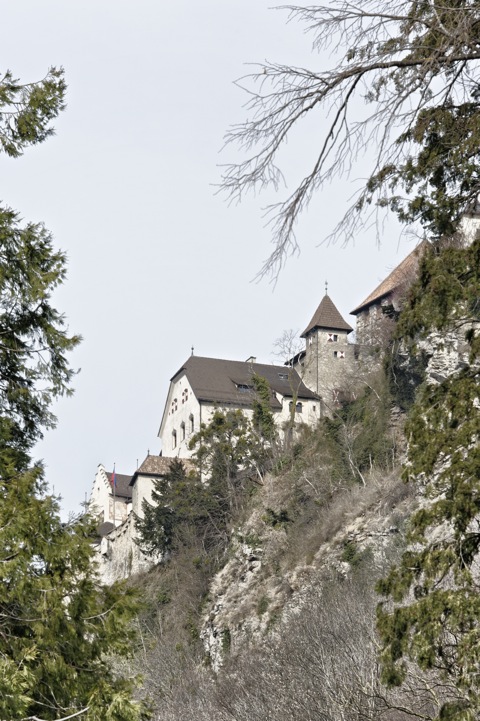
column 182, row 508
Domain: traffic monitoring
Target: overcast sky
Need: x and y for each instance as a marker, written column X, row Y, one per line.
column 158, row 262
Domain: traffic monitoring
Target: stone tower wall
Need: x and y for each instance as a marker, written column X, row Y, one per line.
column 329, row 364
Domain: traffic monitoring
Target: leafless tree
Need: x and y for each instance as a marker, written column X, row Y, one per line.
column 401, row 59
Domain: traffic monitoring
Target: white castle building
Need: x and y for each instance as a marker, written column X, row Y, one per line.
column 315, row 380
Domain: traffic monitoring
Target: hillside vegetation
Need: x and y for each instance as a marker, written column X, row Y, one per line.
column 290, row 581
column 336, row 577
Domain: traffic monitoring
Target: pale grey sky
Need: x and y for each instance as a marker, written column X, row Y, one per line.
column 157, row 261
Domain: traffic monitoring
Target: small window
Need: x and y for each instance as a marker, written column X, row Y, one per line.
column 332, row 338
column 283, row 376
column 298, row 407
column 310, row 339
column 244, row 388
column 182, row 430
column 192, row 423
column 174, row 439
column 335, row 353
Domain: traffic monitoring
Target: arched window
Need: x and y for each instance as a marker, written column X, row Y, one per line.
column 174, row 439
column 182, row 430
column 192, row 423
column 298, row 407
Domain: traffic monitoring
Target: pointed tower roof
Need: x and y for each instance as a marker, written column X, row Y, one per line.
column 327, row 316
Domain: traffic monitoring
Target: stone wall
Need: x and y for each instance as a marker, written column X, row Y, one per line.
column 118, row 555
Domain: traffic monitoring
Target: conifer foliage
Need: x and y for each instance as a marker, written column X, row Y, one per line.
column 58, row 627
column 431, row 617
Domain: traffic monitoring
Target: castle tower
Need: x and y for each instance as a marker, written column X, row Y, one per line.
column 328, row 357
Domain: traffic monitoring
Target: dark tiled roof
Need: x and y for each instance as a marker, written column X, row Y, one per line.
column 122, row 486
column 398, row 280
column 158, row 466
column 327, row 316
column 105, row 528
column 220, row 381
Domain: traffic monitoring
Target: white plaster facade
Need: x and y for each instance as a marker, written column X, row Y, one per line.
column 190, row 404
column 182, row 418
column 104, row 504
column 118, row 554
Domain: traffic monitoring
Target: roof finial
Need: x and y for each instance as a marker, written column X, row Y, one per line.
column 326, row 287
column 192, row 349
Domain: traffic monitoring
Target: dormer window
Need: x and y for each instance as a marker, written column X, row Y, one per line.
column 283, row 376
column 244, row 387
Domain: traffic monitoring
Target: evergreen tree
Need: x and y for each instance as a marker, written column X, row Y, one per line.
column 182, row 508
column 263, row 420
column 26, row 110
column 227, row 452
column 432, row 614
column 58, row 626
column 33, row 335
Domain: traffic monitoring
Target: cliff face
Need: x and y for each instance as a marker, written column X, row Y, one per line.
column 272, row 562
column 271, row 568
column 287, row 623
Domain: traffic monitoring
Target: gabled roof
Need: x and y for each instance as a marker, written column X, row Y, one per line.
column 157, row 466
column 122, row 485
column 327, row 316
column 399, row 278
column 215, row 380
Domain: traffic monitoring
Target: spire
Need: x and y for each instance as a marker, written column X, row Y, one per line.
column 327, row 316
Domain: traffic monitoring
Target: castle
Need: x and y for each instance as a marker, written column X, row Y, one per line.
column 314, row 381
